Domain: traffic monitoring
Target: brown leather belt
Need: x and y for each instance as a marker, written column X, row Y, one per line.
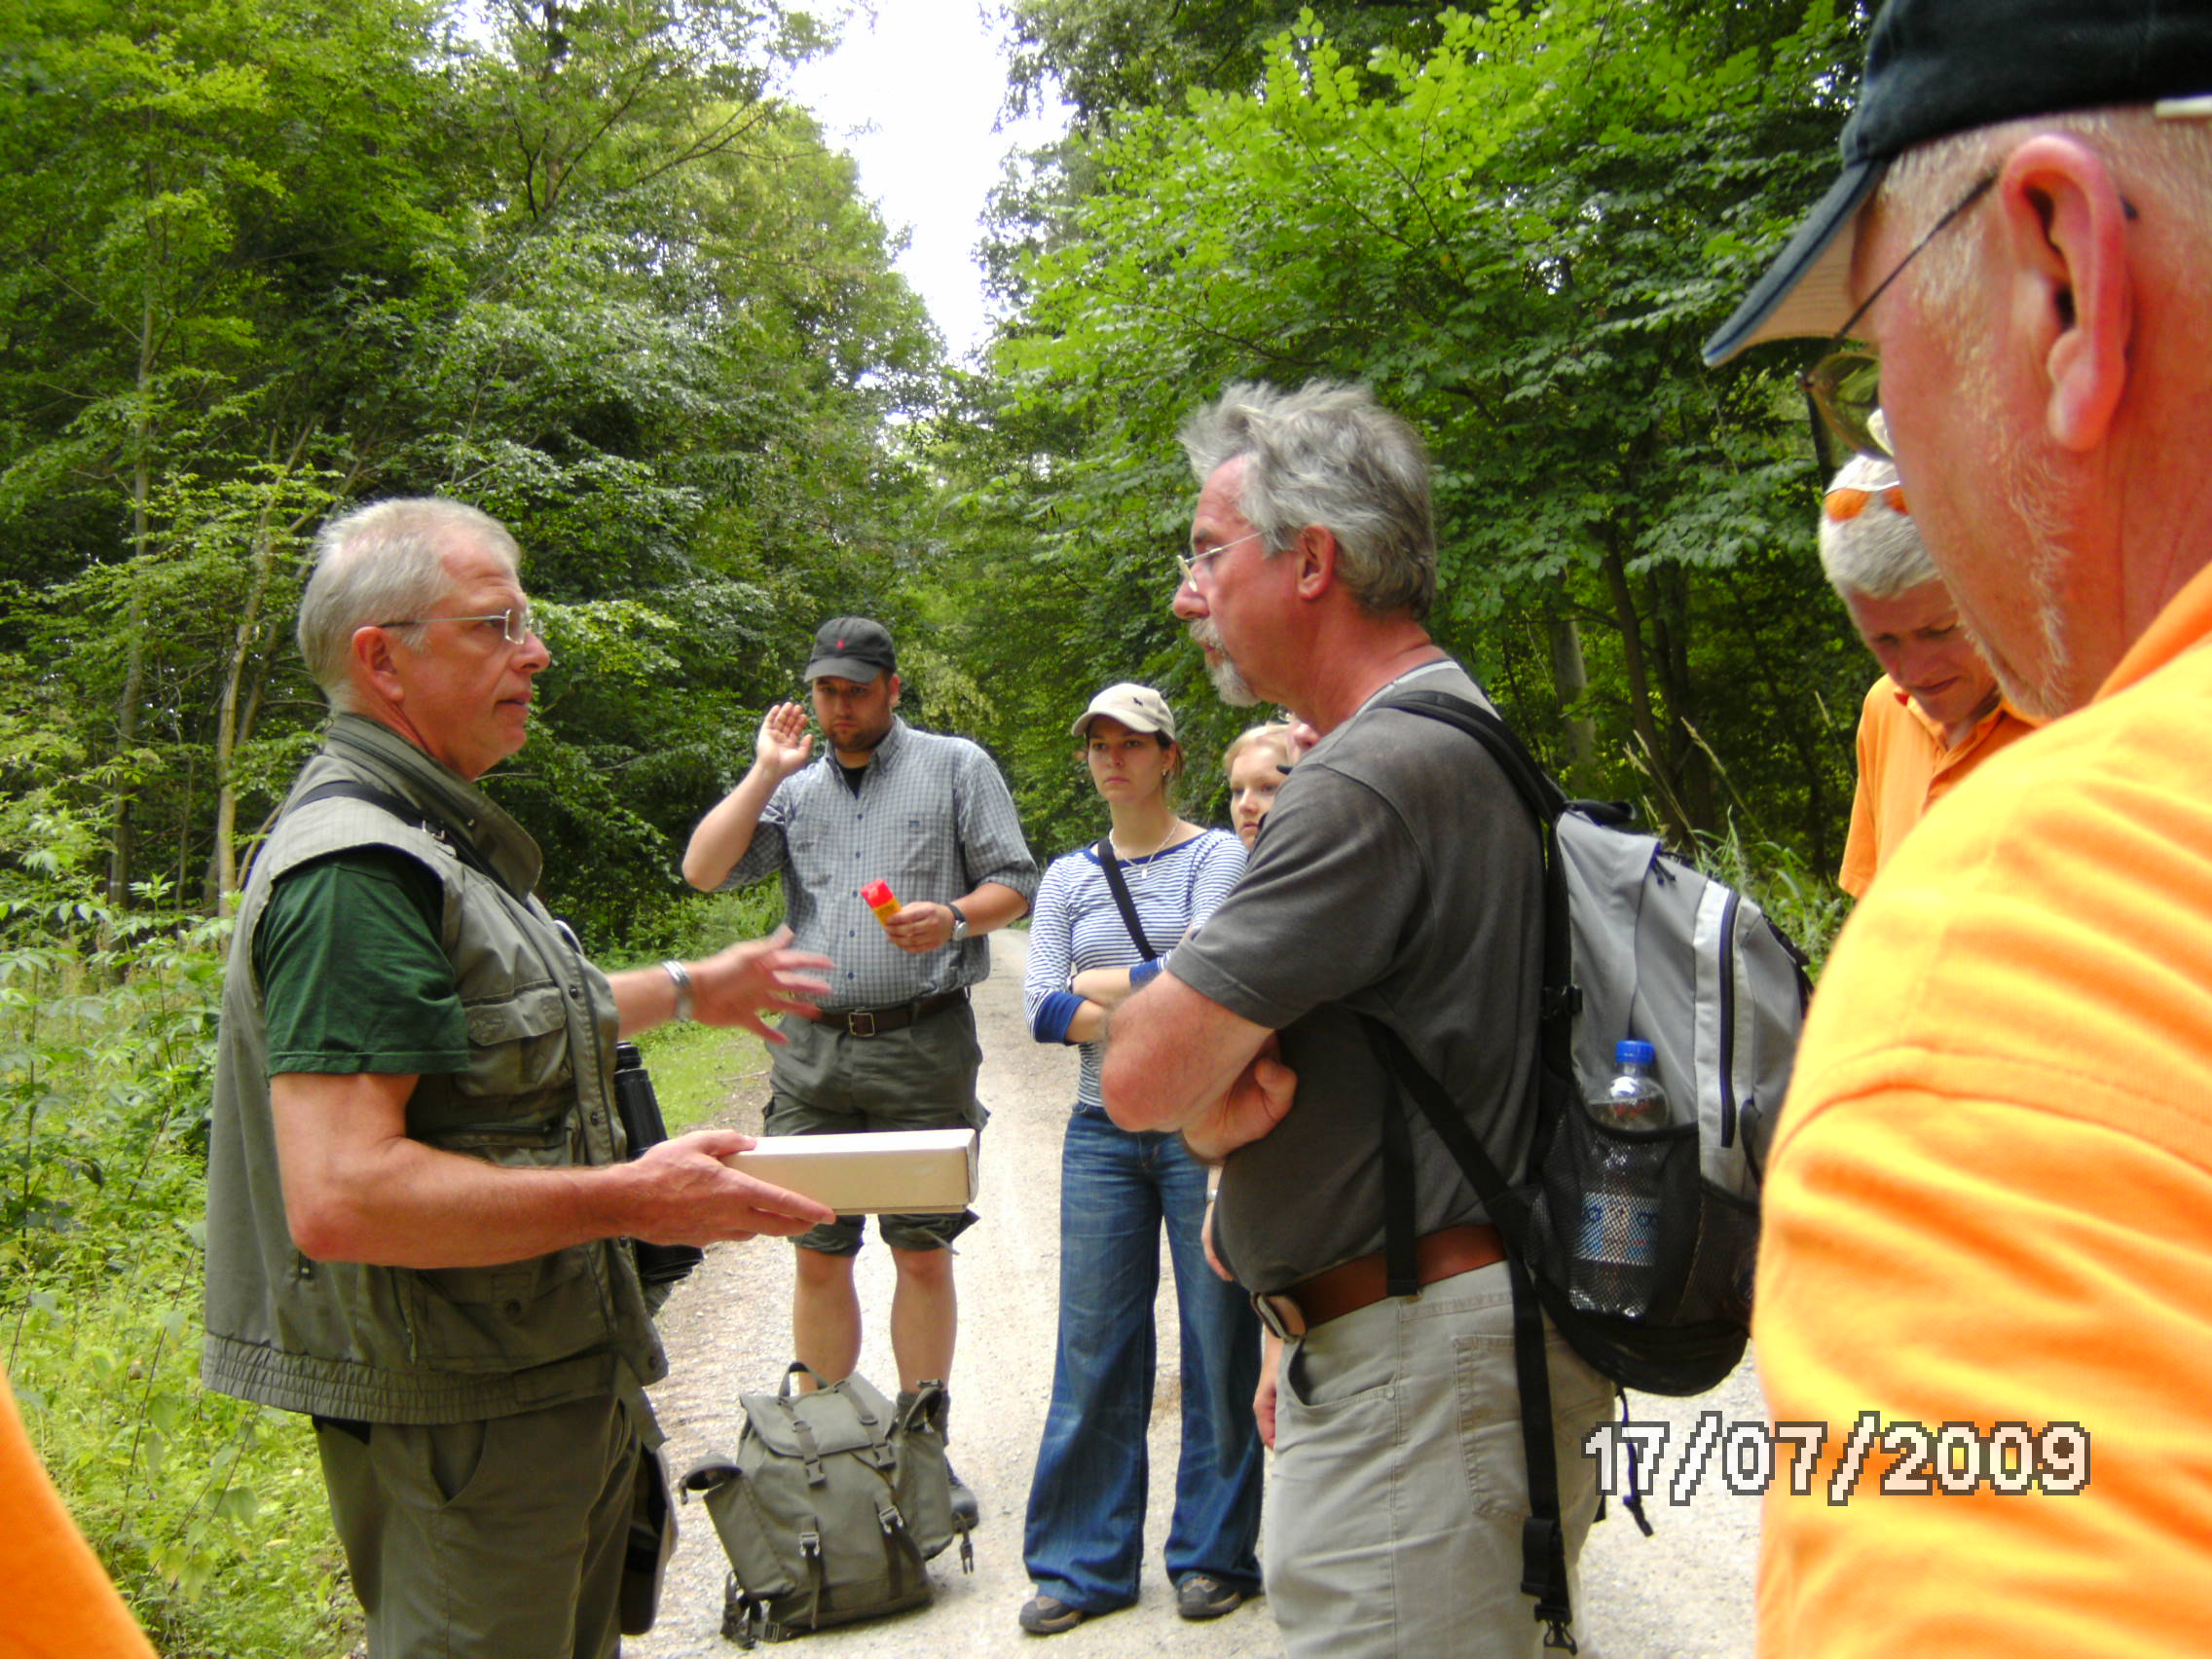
column 875, row 1022
column 1363, row 1281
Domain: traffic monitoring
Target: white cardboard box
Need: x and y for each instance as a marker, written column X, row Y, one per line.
column 906, row 1171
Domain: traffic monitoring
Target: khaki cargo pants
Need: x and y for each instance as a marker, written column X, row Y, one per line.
column 500, row 1539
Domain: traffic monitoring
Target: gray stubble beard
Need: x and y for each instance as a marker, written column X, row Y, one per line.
column 1229, row 684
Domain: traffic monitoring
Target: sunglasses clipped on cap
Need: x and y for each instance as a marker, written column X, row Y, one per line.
column 1847, row 501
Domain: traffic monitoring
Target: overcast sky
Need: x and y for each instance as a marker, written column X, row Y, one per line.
column 914, row 95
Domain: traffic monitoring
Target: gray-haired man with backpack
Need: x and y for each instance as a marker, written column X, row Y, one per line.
column 1388, row 884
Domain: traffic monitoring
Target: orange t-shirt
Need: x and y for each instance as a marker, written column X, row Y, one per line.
column 1904, row 769
column 1989, row 1200
column 55, row 1602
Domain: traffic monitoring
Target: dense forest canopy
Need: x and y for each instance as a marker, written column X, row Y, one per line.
column 584, row 265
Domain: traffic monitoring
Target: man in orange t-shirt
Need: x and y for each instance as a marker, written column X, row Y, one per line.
column 1985, row 1270
column 55, row 1602
column 1936, row 713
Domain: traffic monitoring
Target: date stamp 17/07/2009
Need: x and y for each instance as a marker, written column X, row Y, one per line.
column 1951, row 1459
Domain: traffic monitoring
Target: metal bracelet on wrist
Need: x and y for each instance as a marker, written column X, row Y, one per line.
column 681, row 976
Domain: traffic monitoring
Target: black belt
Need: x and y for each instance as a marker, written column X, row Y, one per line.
column 875, row 1022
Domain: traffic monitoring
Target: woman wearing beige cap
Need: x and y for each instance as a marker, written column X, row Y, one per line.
column 1088, row 949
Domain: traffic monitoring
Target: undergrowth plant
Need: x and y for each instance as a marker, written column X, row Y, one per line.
column 1804, row 903
column 207, row 1511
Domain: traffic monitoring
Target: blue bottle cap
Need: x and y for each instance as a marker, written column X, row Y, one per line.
column 1629, row 1051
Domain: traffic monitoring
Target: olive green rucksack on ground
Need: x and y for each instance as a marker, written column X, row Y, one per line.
column 834, row 1502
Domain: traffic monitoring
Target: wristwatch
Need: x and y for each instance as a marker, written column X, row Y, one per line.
column 959, row 923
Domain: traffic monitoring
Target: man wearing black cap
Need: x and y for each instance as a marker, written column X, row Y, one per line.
column 894, row 1047
column 1989, row 1202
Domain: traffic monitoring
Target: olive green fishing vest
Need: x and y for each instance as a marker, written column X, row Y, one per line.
column 449, row 1344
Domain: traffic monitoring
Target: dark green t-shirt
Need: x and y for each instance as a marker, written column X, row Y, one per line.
column 352, row 976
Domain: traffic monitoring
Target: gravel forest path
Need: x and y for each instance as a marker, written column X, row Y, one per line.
column 1685, row 1594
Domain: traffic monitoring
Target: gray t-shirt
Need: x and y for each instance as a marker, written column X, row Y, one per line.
column 1398, row 875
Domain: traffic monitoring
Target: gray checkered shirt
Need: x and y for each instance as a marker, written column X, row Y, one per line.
column 932, row 818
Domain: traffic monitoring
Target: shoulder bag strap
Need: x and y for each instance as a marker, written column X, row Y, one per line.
column 1112, row 865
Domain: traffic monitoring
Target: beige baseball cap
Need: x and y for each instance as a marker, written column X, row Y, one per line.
column 1138, row 706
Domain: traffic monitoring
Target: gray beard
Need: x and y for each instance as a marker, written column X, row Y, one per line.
column 1227, row 683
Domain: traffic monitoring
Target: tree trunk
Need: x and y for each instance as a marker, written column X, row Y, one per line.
column 235, row 715
column 1677, row 824
column 122, row 848
column 1570, row 680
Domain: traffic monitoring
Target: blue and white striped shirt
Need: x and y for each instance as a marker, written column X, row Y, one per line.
column 1077, row 925
column 932, row 818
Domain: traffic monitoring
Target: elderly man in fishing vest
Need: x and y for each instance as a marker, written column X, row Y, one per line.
column 420, row 1192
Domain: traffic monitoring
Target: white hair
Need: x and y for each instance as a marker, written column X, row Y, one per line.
column 1878, row 552
column 380, row 563
column 1329, row 455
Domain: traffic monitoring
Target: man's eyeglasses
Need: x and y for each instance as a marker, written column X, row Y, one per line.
column 1844, row 389
column 516, row 625
column 1193, row 562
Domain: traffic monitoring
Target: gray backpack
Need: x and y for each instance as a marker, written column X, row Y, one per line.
column 1638, row 943
column 834, row 1502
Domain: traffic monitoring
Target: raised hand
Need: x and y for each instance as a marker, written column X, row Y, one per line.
column 784, row 743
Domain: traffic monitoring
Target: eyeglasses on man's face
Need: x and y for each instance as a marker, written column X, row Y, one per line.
column 1844, row 389
column 516, row 624
column 1193, row 562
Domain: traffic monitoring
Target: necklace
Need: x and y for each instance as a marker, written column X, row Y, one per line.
column 1139, row 864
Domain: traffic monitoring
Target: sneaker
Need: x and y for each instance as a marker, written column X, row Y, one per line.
column 1201, row 1596
column 967, row 1513
column 1049, row 1615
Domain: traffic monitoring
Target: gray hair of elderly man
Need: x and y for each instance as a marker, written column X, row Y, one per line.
column 1329, row 455
column 381, row 562
column 1877, row 552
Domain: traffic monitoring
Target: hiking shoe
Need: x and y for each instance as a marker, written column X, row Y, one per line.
column 967, row 1513
column 1202, row 1596
column 1049, row 1615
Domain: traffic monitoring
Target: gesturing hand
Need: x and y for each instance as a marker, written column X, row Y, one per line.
column 737, row 986
column 784, row 743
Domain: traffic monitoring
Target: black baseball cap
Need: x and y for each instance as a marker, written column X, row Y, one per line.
column 1934, row 67
column 852, row 647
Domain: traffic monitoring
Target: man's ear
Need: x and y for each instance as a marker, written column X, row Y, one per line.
column 898, row 690
column 376, row 663
column 2065, row 230
column 1316, row 552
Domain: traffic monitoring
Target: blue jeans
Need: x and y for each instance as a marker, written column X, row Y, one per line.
column 1085, row 1540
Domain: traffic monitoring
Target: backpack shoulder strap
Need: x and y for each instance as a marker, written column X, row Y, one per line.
column 1544, row 798
column 1545, row 801
column 1544, row 1553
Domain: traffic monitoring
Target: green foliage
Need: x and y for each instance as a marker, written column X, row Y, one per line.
column 262, row 260
column 1518, row 233
column 1804, row 903
column 207, row 1512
